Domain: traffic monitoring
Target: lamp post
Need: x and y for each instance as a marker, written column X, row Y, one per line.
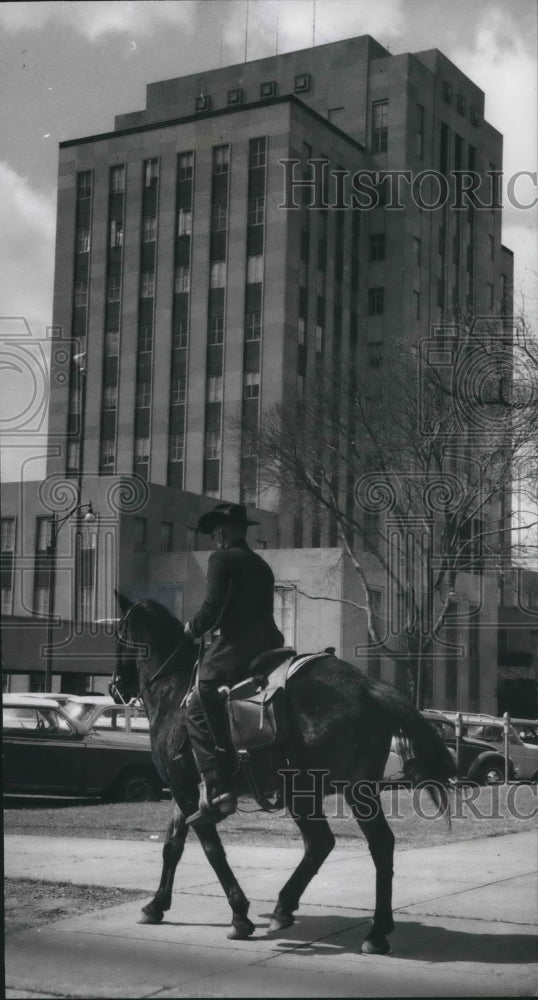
column 55, row 527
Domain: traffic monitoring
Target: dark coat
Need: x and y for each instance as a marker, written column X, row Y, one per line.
column 239, row 603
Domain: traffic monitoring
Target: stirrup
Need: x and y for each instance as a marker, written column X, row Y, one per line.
column 214, row 810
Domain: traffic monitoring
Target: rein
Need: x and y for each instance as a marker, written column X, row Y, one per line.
column 122, row 636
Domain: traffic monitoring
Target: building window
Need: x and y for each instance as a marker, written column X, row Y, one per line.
column 151, row 172
column 256, row 157
column 253, row 326
column 212, row 445
column 42, row 534
column 116, row 233
column 145, row 339
column 319, row 338
column 256, row 208
column 490, row 296
column 185, row 165
column 251, row 385
column 417, row 250
column 143, row 394
column 301, row 330
column 214, row 389
column 166, row 536
column 83, row 240
column 85, row 603
column 176, row 447
column 81, row 293
column 375, row 301
column 73, row 456
column 284, row 612
column 216, row 330
column 6, row 600
column 113, row 288
column 112, row 343
column 320, row 283
column 380, row 111
column 182, row 279
column 179, row 390
column 255, row 269
column 219, row 216
column 117, row 180
column 420, row 131
column 248, row 495
column 221, row 159
column 303, row 273
column 75, row 398
column 147, row 285
column 108, row 450
column 41, row 600
column 217, row 276
column 149, row 229
column 84, row 184
column 375, row 360
column 377, row 246
column 184, row 222
column 140, row 532
column 416, row 305
column 110, row 397
column 142, row 451
column 180, row 337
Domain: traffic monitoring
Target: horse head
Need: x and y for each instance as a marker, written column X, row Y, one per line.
column 150, row 645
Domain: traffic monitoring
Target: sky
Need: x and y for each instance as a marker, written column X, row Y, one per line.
column 67, row 68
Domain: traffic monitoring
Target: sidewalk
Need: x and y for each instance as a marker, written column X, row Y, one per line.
column 465, row 918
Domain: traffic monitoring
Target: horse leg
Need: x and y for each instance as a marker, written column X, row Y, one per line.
column 366, row 807
column 176, row 835
column 318, row 840
column 209, row 838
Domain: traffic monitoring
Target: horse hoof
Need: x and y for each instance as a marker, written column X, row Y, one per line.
column 241, row 929
column 280, row 921
column 377, row 946
column 151, row 917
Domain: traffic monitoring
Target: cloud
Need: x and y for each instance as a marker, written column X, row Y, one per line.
column 26, row 267
column 92, row 20
column 27, row 258
column 334, row 20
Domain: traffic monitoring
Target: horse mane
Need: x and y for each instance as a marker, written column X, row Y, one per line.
column 166, row 628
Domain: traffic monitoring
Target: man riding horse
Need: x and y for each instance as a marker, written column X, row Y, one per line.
column 238, row 607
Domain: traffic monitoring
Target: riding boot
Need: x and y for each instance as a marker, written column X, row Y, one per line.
column 217, row 797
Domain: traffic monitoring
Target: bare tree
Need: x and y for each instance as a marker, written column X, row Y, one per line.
column 412, row 464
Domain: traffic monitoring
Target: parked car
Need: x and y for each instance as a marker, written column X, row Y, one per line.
column 479, row 760
column 527, row 730
column 101, row 712
column 46, row 751
column 104, row 713
column 491, row 729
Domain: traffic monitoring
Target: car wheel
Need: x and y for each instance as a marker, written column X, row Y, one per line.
column 137, row 786
column 491, row 773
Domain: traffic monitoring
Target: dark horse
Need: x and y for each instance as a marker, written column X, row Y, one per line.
column 341, row 723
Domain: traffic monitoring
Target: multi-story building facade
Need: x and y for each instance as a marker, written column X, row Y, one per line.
column 219, row 248
column 199, row 283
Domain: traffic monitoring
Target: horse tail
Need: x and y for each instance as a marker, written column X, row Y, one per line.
column 433, row 764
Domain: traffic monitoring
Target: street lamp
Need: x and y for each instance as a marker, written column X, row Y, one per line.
column 55, row 525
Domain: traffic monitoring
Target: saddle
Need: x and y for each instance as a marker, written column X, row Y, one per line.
column 256, row 707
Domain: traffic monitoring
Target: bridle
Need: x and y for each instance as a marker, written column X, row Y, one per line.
column 122, row 637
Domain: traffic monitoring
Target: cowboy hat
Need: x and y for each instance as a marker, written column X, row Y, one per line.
column 224, row 513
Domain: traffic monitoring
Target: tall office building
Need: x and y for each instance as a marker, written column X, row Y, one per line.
column 199, row 282
column 211, row 262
